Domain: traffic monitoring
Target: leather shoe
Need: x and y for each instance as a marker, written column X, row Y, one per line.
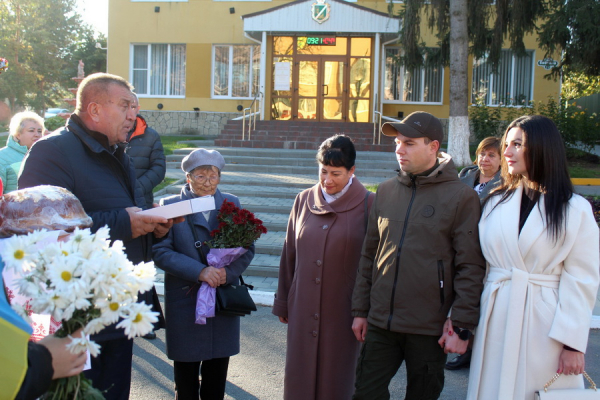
column 150, row 336
column 461, row 361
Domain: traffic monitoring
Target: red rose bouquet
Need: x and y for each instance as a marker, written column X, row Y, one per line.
column 238, row 230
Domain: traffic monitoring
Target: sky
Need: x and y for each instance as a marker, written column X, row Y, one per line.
column 95, row 13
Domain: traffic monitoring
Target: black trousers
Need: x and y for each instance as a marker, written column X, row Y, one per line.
column 383, row 353
column 214, row 379
column 111, row 370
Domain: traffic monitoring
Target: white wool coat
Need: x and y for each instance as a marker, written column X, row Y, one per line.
column 538, row 295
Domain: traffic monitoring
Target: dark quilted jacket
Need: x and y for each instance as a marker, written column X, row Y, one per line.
column 146, row 151
column 103, row 182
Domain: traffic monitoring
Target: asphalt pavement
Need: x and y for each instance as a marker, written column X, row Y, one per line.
column 257, row 372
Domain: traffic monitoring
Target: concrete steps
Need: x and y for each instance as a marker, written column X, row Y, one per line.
column 267, row 181
column 297, row 135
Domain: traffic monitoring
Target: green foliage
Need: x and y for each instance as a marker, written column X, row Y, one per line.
column 578, row 84
column 492, row 121
column 579, row 128
column 39, row 38
column 171, row 143
column 54, row 123
column 85, row 49
column 573, row 29
column 166, row 182
column 489, row 25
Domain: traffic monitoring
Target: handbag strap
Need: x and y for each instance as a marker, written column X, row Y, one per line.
column 198, row 246
column 556, row 376
column 197, row 243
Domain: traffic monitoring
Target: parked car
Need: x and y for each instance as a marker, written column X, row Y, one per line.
column 53, row 112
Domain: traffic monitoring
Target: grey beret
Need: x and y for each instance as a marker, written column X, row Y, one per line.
column 200, row 157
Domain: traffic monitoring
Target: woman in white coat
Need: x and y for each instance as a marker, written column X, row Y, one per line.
column 541, row 244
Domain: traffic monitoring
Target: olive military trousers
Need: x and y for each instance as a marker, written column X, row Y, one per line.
column 382, row 355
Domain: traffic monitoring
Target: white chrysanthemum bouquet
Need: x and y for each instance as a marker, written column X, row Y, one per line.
column 86, row 283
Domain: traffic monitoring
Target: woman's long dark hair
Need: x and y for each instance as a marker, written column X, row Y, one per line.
column 546, row 162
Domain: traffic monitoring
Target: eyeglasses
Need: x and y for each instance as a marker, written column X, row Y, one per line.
column 202, row 179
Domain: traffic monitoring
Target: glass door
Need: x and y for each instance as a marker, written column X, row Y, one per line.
column 333, row 89
column 321, row 91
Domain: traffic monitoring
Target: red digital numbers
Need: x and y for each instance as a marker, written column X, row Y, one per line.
column 320, row 41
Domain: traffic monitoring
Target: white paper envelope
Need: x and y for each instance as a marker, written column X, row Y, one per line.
column 182, row 208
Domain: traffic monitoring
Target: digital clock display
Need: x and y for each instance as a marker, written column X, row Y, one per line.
column 320, row 41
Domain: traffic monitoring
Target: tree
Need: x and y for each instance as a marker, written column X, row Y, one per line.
column 458, row 121
column 36, row 37
column 574, row 30
column 455, row 23
column 578, row 84
column 85, row 49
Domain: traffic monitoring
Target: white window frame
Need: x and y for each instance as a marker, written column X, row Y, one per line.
column 230, row 72
column 402, row 73
column 512, row 80
column 148, row 78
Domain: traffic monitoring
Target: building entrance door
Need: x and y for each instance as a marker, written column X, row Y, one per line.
column 322, row 93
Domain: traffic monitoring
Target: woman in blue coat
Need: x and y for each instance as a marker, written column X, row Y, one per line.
column 26, row 128
column 198, row 349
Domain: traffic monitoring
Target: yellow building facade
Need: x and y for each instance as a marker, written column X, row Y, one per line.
column 322, row 60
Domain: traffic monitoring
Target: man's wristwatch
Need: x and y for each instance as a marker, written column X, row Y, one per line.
column 463, row 334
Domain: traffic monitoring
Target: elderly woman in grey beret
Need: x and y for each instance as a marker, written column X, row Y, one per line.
column 198, row 349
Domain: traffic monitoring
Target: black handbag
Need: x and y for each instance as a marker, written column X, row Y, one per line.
column 234, row 300
column 231, row 300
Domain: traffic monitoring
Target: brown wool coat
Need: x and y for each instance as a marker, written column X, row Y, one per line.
column 317, row 272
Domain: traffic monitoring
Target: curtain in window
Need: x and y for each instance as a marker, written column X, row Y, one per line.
column 392, row 75
column 221, row 71
column 236, row 70
column 501, row 82
column 140, row 69
column 177, row 80
column 422, row 84
column 159, row 65
column 432, row 85
column 255, row 70
column 523, row 79
column 481, row 80
column 511, row 85
column 241, row 71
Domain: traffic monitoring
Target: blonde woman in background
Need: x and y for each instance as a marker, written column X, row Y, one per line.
column 25, row 129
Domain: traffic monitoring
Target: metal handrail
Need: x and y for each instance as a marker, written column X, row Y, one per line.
column 377, row 118
column 253, row 110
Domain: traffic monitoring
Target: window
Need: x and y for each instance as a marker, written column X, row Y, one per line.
column 511, row 85
column 236, row 71
column 158, row 70
column 421, row 85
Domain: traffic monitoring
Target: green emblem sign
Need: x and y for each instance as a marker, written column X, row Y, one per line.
column 320, row 11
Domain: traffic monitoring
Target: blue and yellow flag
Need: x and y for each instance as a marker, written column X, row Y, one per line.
column 14, row 335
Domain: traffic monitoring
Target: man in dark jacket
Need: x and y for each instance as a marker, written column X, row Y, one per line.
column 420, row 262
column 87, row 158
column 146, row 152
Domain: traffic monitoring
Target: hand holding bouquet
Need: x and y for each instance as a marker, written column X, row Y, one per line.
column 86, row 283
column 238, row 230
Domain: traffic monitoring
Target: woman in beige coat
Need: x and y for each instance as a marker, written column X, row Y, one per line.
column 541, row 243
column 316, row 277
